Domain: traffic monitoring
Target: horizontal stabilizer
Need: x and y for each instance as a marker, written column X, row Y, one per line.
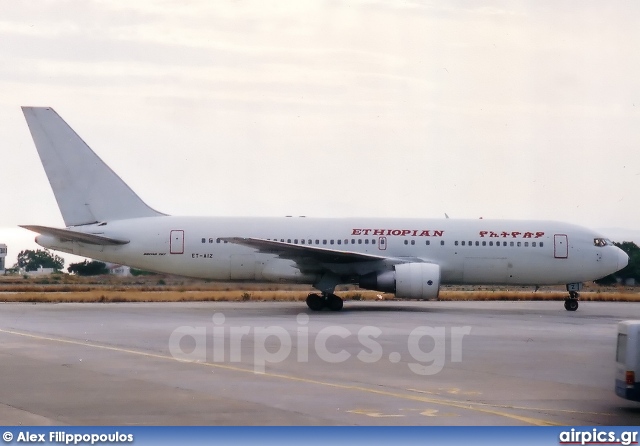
column 75, row 236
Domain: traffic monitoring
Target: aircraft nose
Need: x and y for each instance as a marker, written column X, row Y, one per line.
column 623, row 259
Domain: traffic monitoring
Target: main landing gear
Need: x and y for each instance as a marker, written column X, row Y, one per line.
column 317, row 302
column 571, row 303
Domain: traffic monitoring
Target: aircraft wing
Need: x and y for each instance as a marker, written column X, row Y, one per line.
column 304, row 253
column 76, row 236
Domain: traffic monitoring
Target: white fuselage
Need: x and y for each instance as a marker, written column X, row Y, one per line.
column 517, row 252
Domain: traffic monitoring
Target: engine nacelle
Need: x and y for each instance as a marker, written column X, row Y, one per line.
column 407, row 281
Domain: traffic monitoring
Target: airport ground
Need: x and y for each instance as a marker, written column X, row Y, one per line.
column 374, row 363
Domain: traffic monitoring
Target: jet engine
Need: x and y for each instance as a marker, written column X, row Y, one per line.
column 407, row 280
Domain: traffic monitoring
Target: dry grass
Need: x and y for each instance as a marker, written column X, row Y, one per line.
column 170, row 296
column 136, row 295
column 68, row 288
column 606, row 296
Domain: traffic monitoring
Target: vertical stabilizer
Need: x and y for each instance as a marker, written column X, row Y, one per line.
column 86, row 189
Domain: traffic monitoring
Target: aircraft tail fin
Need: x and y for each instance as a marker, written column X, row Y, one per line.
column 86, row 189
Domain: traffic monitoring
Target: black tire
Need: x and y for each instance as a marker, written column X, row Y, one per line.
column 334, row 303
column 571, row 304
column 315, row 302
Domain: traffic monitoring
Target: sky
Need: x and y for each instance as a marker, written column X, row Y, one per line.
column 493, row 109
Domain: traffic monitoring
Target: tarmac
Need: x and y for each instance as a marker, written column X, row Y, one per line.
column 277, row 363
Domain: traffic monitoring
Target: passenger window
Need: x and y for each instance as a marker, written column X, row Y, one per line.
column 413, row 242
column 302, row 241
column 324, row 242
column 346, row 242
column 331, row 242
column 519, row 244
column 353, row 241
column 317, row 242
column 217, row 240
column 441, row 242
column 295, row 241
column 339, row 242
column 456, row 243
column 406, row 242
column 477, row 243
column 526, row 244
column 366, row 241
column 203, row 240
column 359, row 241
column 541, row 244
column 484, row 243
column 490, row 243
column 288, row 240
column 210, row 240
column 428, row 242
column 311, row 242
column 533, row 244
column 510, row 243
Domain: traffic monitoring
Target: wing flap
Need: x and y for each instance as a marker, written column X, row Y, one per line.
column 303, row 252
column 75, row 236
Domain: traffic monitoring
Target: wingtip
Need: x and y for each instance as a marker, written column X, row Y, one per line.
column 29, row 227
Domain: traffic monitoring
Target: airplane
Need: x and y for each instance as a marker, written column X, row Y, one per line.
column 411, row 258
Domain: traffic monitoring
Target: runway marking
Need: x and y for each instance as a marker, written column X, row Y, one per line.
column 450, row 403
column 451, row 391
column 508, row 406
column 373, row 414
column 437, row 413
column 432, row 413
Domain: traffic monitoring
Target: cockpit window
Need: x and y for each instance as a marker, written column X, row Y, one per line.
column 602, row 242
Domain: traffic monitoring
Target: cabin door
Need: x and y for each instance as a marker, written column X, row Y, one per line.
column 560, row 246
column 176, row 242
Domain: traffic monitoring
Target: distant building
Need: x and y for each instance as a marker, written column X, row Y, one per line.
column 119, row 270
column 39, row 272
column 3, row 256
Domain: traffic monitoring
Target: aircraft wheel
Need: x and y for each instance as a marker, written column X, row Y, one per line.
column 571, row 304
column 315, row 302
column 334, row 303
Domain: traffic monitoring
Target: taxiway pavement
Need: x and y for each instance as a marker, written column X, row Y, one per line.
column 277, row 363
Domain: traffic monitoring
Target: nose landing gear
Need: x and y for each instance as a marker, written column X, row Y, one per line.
column 571, row 303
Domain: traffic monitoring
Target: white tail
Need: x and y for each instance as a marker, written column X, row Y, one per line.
column 86, row 189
